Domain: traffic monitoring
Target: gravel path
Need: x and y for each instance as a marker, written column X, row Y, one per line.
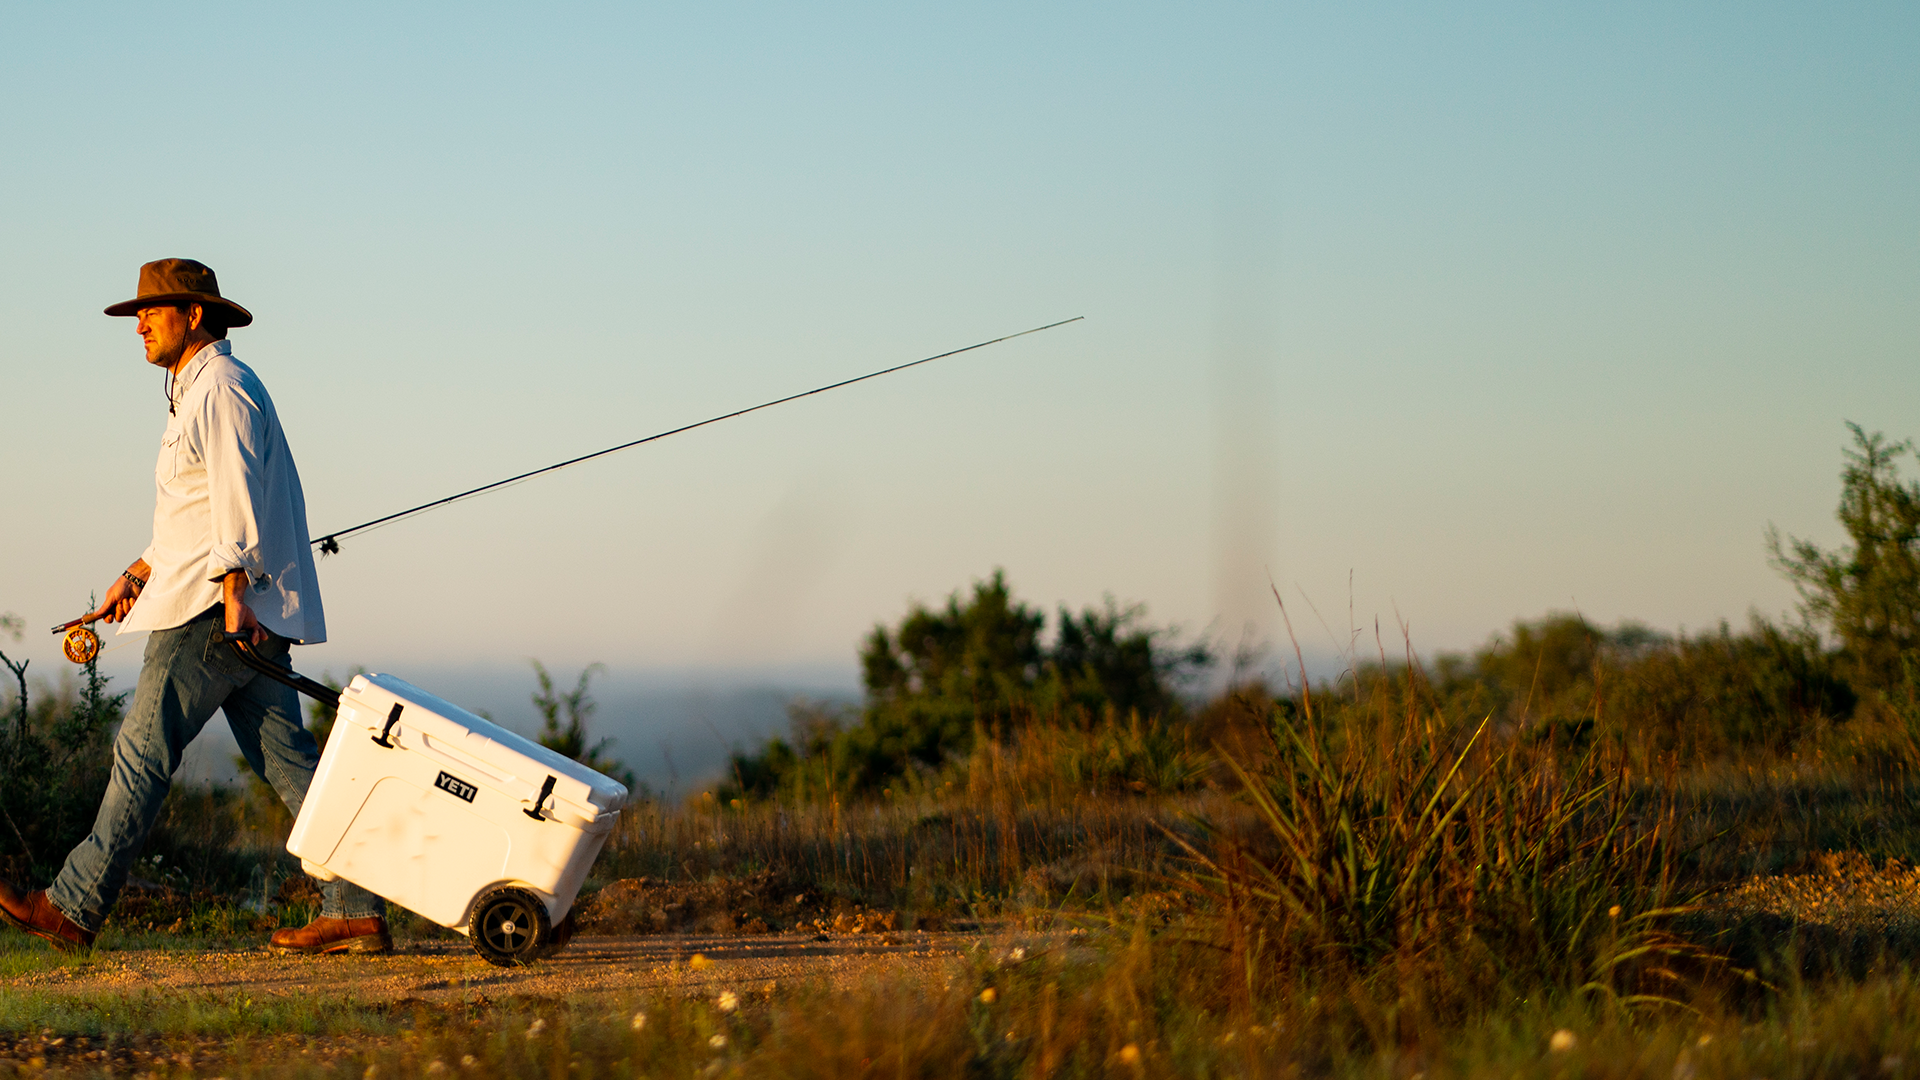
column 1848, row 894
column 589, row 967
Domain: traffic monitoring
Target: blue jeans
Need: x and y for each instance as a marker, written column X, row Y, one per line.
column 188, row 673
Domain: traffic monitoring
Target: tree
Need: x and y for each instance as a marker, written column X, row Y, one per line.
column 1868, row 593
column 973, row 665
column 983, row 652
column 571, row 740
column 1109, row 659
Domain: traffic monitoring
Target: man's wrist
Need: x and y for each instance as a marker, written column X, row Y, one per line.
column 138, row 583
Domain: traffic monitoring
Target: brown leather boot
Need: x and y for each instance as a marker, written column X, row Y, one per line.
column 37, row 916
column 324, row 935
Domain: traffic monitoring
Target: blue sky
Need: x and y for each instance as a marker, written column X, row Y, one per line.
column 1449, row 314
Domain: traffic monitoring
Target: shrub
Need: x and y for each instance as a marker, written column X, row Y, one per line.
column 1720, row 693
column 55, row 757
column 944, row 678
column 1867, row 593
column 1562, row 680
column 571, row 740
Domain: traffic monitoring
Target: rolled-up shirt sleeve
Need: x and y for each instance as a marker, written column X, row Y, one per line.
column 227, row 497
column 233, row 441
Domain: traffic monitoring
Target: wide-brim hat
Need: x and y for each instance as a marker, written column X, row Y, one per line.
column 181, row 281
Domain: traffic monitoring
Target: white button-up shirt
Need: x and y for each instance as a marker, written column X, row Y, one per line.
column 228, row 498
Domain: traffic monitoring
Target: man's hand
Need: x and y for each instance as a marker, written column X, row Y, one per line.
column 122, row 593
column 240, row 617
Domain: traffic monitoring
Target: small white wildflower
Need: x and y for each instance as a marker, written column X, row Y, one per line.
column 1562, row 1041
column 436, row 1067
column 534, row 1029
column 1018, row 954
column 639, row 1021
column 468, row 1061
column 717, row 1042
column 727, row 1001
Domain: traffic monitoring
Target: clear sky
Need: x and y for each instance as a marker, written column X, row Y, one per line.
column 1449, row 314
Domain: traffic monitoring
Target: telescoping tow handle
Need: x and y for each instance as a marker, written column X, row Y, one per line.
column 320, row 692
column 326, row 695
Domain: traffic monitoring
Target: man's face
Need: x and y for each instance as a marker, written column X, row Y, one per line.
column 164, row 329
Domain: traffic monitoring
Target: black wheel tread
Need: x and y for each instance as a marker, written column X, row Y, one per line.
column 530, row 935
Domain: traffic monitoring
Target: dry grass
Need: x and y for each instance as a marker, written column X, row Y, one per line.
column 1408, row 900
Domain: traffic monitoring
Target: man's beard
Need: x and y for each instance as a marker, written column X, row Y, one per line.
column 169, row 357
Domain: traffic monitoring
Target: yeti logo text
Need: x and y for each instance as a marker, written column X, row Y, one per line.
column 455, row 787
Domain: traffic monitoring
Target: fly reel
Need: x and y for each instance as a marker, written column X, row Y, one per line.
column 81, row 644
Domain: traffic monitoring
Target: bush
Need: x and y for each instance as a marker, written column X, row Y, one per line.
column 571, row 740
column 55, row 757
column 1721, row 693
column 1560, row 679
column 945, row 678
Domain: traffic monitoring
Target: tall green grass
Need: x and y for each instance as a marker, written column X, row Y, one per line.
column 1426, row 852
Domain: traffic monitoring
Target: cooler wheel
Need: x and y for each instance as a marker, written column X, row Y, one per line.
column 510, row 927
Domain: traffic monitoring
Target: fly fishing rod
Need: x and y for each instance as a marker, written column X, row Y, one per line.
column 330, row 543
column 81, row 644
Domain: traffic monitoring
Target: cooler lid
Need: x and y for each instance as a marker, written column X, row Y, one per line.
column 504, row 760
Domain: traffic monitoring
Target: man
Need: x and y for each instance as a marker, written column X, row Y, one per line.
column 230, row 554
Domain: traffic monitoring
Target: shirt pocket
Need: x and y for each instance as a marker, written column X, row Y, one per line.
column 168, row 466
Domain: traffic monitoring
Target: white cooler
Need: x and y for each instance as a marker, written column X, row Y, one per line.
column 453, row 817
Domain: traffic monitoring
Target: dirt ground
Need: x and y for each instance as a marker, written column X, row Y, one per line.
column 590, row 966
column 1845, row 895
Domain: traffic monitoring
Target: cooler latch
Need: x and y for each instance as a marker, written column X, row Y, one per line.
column 546, row 790
column 392, row 719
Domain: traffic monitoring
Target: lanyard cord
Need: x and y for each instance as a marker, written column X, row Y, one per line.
column 330, row 543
